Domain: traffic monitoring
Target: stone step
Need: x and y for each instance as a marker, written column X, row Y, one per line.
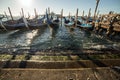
column 59, row 64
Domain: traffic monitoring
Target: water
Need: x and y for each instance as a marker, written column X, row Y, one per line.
column 63, row 38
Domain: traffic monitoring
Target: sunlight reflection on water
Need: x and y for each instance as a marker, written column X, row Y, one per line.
column 63, row 38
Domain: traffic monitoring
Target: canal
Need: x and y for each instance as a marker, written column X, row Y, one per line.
column 47, row 39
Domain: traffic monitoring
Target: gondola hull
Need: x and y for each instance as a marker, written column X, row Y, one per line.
column 23, row 27
column 70, row 24
column 85, row 26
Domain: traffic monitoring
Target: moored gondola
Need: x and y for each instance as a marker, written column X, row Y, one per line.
column 52, row 23
column 22, row 23
column 69, row 22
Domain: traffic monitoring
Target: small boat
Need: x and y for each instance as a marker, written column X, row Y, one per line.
column 12, row 25
column 36, row 24
column 86, row 26
column 69, row 23
column 53, row 23
column 21, row 24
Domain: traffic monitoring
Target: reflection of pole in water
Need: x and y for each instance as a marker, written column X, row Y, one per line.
column 82, row 45
column 53, row 32
column 71, row 29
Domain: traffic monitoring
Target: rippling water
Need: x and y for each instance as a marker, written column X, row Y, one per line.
column 63, row 38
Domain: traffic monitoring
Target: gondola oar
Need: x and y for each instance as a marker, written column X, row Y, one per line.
column 6, row 15
column 24, row 19
column 2, row 25
column 26, row 23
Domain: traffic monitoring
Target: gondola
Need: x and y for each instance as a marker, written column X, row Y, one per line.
column 21, row 24
column 36, row 24
column 85, row 24
column 52, row 23
column 69, row 23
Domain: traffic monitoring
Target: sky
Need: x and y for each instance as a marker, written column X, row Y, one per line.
column 68, row 6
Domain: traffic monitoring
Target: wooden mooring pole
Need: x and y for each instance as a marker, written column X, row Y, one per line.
column 89, row 13
column 49, row 11
column 10, row 13
column 61, row 16
column 22, row 12
column 6, row 15
column 83, row 13
column 97, row 2
column 76, row 18
column 97, row 14
column 35, row 13
column 69, row 15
